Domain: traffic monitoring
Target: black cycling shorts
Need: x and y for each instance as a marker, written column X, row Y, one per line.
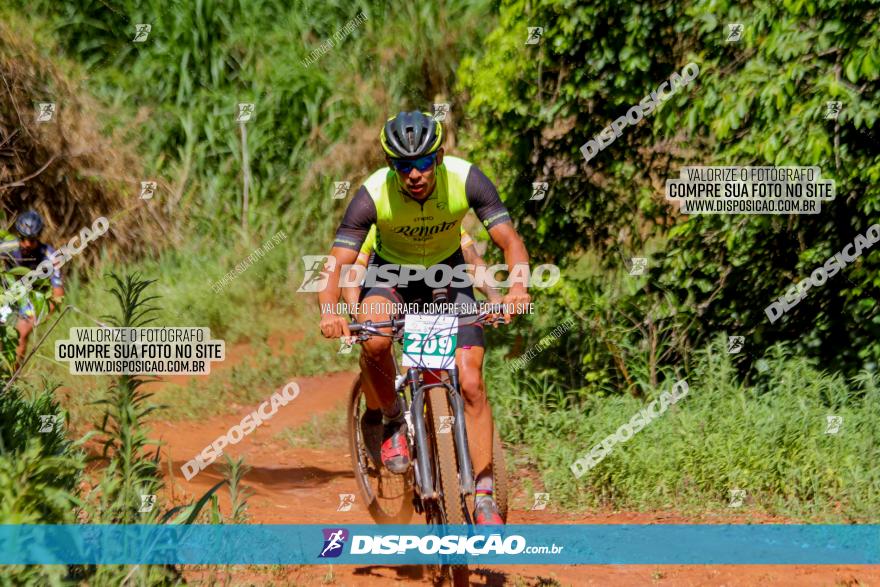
column 418, row 292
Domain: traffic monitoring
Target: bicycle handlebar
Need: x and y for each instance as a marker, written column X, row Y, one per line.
column 370, row 327
column 356, row 327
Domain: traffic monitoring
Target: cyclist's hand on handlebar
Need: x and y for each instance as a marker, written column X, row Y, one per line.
column 515, row 302
column 334, row 326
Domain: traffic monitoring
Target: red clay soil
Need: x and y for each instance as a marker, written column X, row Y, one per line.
column 302, row 486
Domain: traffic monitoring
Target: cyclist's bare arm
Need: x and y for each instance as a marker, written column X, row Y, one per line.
column 334, row 325
column 472, row 257
column 351, row 293
column 350, row 296
column 515, row 255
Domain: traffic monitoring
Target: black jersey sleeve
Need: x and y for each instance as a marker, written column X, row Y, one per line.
column 483, row 198
column 359, row 217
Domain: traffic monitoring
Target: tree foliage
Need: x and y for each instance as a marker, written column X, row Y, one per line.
column 759, row 101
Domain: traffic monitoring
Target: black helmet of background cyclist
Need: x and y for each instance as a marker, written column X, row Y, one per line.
column 29, row 224
column 410, row 135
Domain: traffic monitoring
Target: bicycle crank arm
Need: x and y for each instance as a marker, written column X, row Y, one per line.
column 466, row 468
column 424, row 475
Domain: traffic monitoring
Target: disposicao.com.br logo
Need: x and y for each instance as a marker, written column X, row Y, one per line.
column 393, row 544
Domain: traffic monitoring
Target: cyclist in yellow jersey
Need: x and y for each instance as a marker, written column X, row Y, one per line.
column 417, row 204
column 351, row 295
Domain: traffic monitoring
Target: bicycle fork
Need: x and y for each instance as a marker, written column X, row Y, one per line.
column 465, row 468
column 424, row 473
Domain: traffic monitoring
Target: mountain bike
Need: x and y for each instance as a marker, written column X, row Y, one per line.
column 440, row 483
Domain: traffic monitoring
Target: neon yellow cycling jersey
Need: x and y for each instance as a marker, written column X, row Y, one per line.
column 367, row 248
column 427, row 232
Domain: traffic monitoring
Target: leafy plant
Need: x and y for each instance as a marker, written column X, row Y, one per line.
column 234, row 471
column 131, row 472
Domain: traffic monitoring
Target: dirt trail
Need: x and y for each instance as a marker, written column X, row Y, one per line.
column 302, row 486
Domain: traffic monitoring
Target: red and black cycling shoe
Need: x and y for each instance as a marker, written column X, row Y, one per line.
column 395, row 452
column 486, row 512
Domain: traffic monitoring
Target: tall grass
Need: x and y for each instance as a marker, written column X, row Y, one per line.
column 313, row 125
column 766, row 436
column 131, row 474
column 202, row 59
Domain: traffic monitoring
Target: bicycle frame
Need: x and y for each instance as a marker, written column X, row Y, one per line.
column 426, row 484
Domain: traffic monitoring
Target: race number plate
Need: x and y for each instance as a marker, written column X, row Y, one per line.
column 429, row 341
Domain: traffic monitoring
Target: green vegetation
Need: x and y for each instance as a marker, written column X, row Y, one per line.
column 761, row 101
column 42, row 473
column 165, row 110
column 39, row 473
column 766, row 436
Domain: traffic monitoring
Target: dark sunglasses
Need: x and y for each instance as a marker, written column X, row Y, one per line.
column 407, row 165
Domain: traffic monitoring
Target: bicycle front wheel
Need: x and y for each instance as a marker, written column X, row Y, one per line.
column 452, row 505
column 389, row 497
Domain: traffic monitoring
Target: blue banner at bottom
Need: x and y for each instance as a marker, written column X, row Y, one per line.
column 627, row 544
